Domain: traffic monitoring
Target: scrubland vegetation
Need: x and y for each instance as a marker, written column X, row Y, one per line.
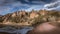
column 31, row 18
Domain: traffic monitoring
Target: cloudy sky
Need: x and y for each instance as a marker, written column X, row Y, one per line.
column 8, row 6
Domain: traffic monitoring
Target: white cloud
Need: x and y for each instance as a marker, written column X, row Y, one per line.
column 35, row 7
column 52, row 6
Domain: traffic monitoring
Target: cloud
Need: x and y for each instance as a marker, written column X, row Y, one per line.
column 11, row 6
column 52, row 6
column 27, row 0
column 38, row 2
column 7, row 6
column 35, row 7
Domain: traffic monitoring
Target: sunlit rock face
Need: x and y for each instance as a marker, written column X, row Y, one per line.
column 14, row 14
column 6, row 17
column 43, row 12
column 45, row 28
column 33, row 14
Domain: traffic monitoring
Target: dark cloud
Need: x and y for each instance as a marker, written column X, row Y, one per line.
column 4, row 2
column 7, row 6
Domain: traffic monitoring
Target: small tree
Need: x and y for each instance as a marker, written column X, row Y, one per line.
column 1, row 20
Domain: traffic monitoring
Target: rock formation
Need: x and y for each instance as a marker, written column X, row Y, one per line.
column 20, row 17
column 46, row 28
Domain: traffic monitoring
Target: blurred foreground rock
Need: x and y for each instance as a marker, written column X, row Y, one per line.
column 46, row 28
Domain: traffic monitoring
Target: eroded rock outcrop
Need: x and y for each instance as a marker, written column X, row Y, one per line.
column 31, row 17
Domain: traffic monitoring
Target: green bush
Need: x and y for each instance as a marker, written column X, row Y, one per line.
column 1, row 20
column 38, row 20
column 15, row 19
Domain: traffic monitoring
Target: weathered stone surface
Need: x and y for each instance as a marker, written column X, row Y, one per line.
column 29, row 17
column 45, row 28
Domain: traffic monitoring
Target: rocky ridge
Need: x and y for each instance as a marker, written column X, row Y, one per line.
column 29, row 18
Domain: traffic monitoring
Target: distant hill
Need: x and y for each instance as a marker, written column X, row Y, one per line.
column 29, row 18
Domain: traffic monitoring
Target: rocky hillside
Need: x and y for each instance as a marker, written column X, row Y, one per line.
column 29, row 18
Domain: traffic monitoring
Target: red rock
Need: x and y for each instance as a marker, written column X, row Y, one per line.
column 45, row 28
